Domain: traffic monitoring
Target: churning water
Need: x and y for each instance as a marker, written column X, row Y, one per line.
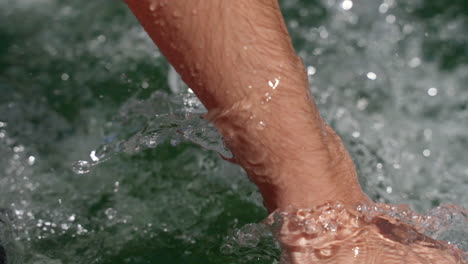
column 97, row 156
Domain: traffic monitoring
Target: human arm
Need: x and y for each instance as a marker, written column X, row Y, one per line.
column 238, row 58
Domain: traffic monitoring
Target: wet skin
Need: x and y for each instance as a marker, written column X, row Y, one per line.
column 238, row 58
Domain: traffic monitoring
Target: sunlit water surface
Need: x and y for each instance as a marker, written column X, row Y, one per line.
column 100, row 157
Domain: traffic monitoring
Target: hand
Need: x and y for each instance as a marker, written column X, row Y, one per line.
column 335, row 233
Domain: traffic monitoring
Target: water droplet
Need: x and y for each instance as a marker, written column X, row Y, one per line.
column 356, row 251
column 72, row 218
column 80, row 229
column 383, row 8
column 362, row 104
column 371, row 76
column 390, row 19
column 93, row 156
column 101, row 38
column 389, row 189
column 31, row 160
column 65, row 77
column 274, row 84
column 414, row 62
column 261, row 125
column 432, row 91
column 323, row 32
column 426, row 152
column 311, row 70
column 19, row 148
column 347, row 4
column 428, row 133
column 100, row 154
column 81, row 167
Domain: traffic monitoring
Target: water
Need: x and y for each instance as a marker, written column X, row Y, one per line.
column 389, row 76
column 381, row 233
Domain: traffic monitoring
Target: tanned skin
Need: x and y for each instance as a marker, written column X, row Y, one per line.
column 232, row 54
column 237, row 56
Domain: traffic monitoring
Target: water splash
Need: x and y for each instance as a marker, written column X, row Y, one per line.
column 179, row 120
column 396, row 228
column 81, row 167
column 410, row 147
column 333, row 233
column 10, row 249
column 251, row 242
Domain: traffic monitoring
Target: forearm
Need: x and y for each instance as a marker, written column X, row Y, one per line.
column 238, row 58
column 221, row 48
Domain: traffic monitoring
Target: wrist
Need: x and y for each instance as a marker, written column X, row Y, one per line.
column 279, row 143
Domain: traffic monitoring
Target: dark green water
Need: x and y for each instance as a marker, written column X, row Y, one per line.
column 391, row 77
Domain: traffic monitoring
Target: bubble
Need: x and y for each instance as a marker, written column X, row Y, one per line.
column 111, row 213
